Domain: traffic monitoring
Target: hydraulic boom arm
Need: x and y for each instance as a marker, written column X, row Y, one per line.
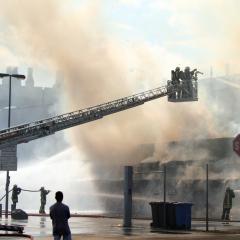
column 27, row 132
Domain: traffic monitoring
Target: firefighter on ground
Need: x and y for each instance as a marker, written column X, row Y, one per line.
column 15, row 192
column 227, row 203
column 43, row 194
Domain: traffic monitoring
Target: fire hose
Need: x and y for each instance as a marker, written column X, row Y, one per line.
column 25, row 190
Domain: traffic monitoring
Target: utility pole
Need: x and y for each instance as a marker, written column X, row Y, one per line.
column 164, row 195
column 9, row 124
column 207, row 198
column 21, row 77
column 128, row 184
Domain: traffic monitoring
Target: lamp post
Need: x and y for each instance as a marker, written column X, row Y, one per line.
column 21, row 77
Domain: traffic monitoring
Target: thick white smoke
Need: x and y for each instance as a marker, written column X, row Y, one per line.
column 96, row 68
column 99, row 68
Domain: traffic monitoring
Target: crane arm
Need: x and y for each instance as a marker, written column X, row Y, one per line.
column 31, row 131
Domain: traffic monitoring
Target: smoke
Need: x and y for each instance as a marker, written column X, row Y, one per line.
column 213, row 27
column 97, row 68
column 71, row 176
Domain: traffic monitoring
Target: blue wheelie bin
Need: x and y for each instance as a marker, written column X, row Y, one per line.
column 183, row 215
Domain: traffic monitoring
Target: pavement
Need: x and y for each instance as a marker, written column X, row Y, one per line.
column 89, row 228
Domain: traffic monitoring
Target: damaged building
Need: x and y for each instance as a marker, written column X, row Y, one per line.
column 186, row 178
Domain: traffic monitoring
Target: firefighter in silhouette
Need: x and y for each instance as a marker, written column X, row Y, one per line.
column 177, row 74
column 195, row 75
column 15, row 192
column 43, row 194
column 175, row 81
column 227, row 203
column 171, row 85
column 187, row 81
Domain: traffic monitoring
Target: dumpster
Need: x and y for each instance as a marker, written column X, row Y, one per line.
column 158, row 214
column 177, row 215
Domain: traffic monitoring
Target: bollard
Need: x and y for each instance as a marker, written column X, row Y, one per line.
column 128, row 182
column 0, row 210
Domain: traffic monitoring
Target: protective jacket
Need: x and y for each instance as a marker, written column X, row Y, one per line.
column 43, row 195
column 229, row 195
column 15, row 192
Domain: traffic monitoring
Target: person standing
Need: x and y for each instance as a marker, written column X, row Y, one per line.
column 175, row 82
column 15, row 192
column 44, row 194
column 178, row 76
column 227, row 203
column 59, row 213
column 188, row 75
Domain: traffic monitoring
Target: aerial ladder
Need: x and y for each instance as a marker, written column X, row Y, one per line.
column 27, row 132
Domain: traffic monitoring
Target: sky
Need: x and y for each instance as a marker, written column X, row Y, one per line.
column 179, row 32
